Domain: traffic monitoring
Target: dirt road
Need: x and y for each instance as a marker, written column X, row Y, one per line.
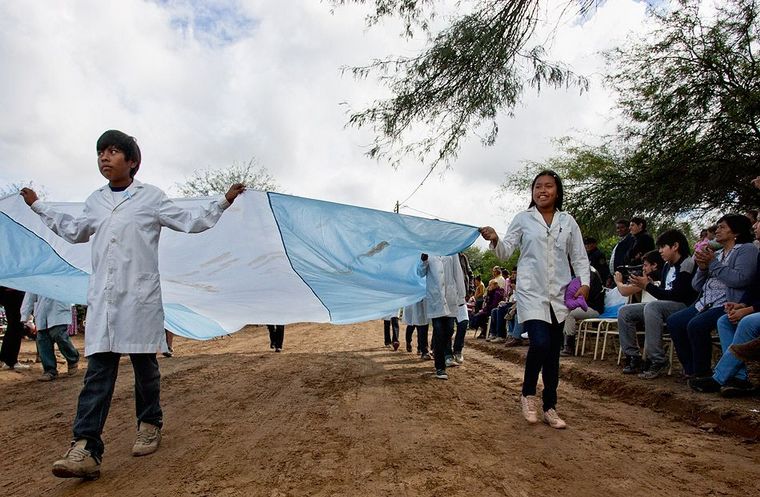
column 337, row 414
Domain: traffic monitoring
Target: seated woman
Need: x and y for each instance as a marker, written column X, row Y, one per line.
column 494, row 295
column 740, row 326
column 722, row 276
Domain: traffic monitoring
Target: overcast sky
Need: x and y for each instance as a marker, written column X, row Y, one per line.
column 206, row 84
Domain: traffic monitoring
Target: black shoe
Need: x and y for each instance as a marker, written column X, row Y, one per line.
column 655, row 370
column 633, row 365
column 408, row 347
column 706, row 384
column 567, row 351
column 737, row 388
column 481, row 336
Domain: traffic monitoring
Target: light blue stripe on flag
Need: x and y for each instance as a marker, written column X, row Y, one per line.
column 361, row 262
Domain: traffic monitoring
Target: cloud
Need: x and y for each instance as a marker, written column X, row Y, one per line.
column 205, row 84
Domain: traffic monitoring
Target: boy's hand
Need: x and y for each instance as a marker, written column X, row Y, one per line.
column 489, row 234
column 235, row 190
column 29, row 195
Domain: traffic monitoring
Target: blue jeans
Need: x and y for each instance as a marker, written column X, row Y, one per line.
column 387, row 325
column 515, row 327
column 498, row 327
column 422, row 337
column 459, row 336
column 95, row 397
column 546, row 340
column 729, row 366
column 443, row 329
column 690, row 331
column 45, row 340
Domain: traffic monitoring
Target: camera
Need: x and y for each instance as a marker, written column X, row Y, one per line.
column 627, row 271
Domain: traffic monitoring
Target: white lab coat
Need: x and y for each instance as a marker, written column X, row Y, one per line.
column 47, row 312
column 543, row 269
column 444, row 285
column 415, row 315
column 125, row 312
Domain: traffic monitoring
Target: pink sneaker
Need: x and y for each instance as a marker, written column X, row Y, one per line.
column 528, row 405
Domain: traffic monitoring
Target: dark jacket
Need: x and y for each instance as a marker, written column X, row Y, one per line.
column 598, row 260
column 642, row 243
column 621, row 251
column 681, row 290
column 596, row 292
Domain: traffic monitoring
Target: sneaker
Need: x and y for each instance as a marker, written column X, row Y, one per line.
column 498, row 340
column 387, row 345
column 459, row 358
column 46, row 376
column 513, row 342
column 567, row 351
column 169, row 353
column 426, row 356
column 528, row 405
column 481, row 336
column 490, row 338
column 277, row 349
column 441, row 374
column 451, row 363
column 655, row 370
column 737, row 388
column 17, row 367
column 705, row 385
column 408, row 347
column 395, row 345
column 552, row 419
column 524, row 335
column 148, row 439
column 633, row 365
column 72, row 368
column 77, row 462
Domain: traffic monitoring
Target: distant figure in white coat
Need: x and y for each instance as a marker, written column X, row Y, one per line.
column 444, row 293
column 125, row 312
column 52, row 319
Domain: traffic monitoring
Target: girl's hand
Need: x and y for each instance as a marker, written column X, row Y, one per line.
column 489, row 234
column 583, row 290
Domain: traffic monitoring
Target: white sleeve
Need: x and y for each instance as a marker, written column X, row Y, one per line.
column 70, row 228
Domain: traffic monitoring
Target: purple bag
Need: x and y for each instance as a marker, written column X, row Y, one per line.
column 571, row 301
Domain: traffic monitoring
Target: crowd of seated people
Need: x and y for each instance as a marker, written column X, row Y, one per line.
column 697, row 298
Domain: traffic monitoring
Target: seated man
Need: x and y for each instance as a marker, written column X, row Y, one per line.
column 674, row 294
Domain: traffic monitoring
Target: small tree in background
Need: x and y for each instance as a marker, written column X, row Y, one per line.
column 14, row 188
column 216, row 181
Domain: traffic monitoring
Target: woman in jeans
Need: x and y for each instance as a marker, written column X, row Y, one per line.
column 546, row 237
column 722, row 276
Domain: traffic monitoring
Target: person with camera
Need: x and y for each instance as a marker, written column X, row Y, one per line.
column 673, row 294
column 722, row 276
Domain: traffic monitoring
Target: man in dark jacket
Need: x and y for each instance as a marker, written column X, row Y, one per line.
column 674, row 293
column 596, row 258
column 620, row 251
column 642, row 241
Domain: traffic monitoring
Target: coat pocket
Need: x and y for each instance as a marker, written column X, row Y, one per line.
column 148, row 288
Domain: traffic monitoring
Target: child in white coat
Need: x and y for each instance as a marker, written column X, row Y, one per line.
column 125, row 313
column 547, row 238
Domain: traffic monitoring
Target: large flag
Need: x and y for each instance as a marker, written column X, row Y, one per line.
column 271, row 258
